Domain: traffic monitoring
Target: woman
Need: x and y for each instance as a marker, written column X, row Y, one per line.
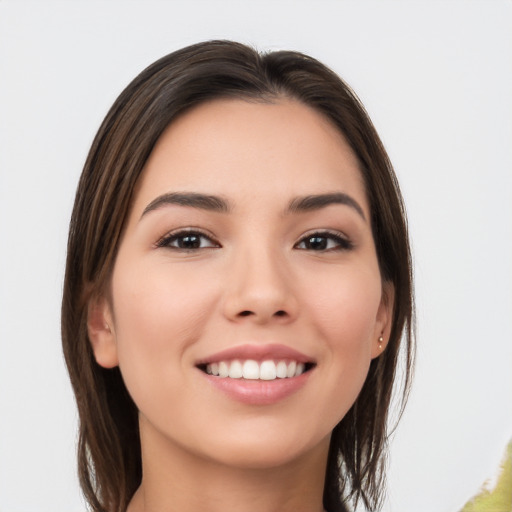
column 238, row 284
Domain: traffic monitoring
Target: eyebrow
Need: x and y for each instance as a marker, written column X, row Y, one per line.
column 316, row 202
column 220, row 205
column 191, row 199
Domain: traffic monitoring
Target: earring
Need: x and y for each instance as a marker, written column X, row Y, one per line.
column 381, row 340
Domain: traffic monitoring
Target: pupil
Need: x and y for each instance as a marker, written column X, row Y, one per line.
column 317, row 242
column 190, row 242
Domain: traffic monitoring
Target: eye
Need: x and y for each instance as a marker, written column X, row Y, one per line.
column 187, row 240
column 324, row 241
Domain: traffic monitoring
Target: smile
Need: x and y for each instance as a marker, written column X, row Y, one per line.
column 254, row 370
column 257, row 374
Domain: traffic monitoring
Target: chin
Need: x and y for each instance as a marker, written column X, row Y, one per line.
column 266, row 451
column 256, row 458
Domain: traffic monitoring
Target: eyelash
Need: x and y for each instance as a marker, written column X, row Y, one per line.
column 322, row 237
column 168, row 239
column 342, row 243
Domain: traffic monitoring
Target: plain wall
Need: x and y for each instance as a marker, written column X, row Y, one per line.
column 436, row 78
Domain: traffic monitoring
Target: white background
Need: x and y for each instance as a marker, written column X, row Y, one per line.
column 436, row 77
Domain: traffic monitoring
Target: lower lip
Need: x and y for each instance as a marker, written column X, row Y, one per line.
column 259, row 392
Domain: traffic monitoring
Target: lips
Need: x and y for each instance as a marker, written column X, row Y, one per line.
column 257, row 374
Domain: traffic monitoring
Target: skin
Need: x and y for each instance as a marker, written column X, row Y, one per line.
column 255, row 279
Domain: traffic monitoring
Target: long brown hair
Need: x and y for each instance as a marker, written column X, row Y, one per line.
column 109, row 458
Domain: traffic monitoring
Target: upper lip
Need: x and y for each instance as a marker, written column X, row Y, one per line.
column 258, row 353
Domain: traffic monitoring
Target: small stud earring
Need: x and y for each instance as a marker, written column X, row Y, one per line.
column 381, row 340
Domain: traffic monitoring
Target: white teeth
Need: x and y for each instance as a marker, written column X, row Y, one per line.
column 223, row 369
column 235, row 370
column 281, row 370
column 252, row 370
column 268, row 370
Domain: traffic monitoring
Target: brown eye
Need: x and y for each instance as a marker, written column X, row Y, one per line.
column 316, row 243
column 324, row 242
column 187, row 241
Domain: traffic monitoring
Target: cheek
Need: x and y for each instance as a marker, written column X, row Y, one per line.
column 345, row 313
column 157, row 316
column 346, row 306
column 159, row 303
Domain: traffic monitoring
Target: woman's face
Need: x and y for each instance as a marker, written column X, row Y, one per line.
column 246, row 301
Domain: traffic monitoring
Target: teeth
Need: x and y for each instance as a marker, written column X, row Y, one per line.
column 252, row 370
column 268, row 370
column 281, row 370
column 235, row 370
column 290, row 372
column 223, row 369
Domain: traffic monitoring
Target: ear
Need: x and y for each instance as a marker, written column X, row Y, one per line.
column 100, row 327
column 384, row 319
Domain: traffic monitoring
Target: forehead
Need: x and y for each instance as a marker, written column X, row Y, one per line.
column 243, row 149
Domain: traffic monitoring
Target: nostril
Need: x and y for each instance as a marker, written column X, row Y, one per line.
column 281, row 313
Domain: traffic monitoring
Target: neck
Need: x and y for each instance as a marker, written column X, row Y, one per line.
column 174, row 480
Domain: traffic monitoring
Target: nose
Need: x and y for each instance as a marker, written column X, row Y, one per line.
column 259, row 289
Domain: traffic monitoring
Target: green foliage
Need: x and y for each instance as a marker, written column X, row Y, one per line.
column 498, row 499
